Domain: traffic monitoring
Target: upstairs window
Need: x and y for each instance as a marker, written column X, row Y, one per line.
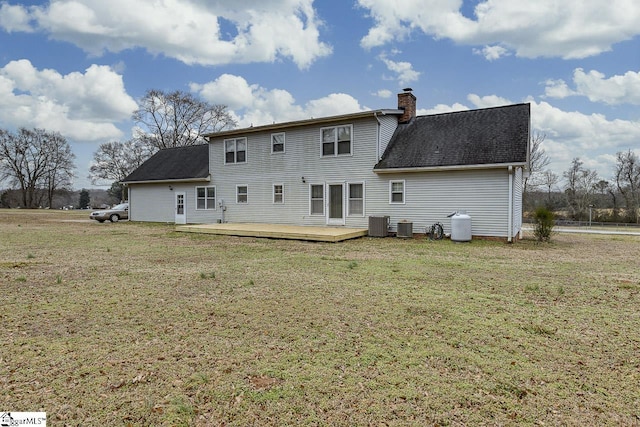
column 336, row 141
column 328, row 142
column 235, row 150
column 205, row 197
column 277, row 143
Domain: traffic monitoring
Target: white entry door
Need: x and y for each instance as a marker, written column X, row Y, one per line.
column 335, row 211
column 181, row 208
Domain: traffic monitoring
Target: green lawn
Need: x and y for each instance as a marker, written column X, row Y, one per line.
column 136, row 324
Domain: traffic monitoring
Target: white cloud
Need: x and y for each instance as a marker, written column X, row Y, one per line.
column 191, row 31
column 591, row 137
column 404, row 72
column 332, row 105
column 584, row 131
column 232, row 91
column 548, row 28
column 487, row 101
column 82, row 106
column 491, row 53
column 619, row 89
column 253, row 105
column 14, row 18
column 442, row 108
column 477, row 101
column 383, row 93
column 557, row 89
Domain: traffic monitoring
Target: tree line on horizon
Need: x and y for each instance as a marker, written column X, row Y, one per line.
column 584, row 194
column 38, row 164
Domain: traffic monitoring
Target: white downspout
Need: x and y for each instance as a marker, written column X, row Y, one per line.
column 510, row 220
column 378, row 154
column 521, row 232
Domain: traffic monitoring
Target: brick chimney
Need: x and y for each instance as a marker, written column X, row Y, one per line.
column 407, row 102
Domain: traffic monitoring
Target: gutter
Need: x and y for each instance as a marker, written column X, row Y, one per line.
column 449, row 168
column 168, row 181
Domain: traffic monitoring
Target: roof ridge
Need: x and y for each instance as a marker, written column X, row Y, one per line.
column 475, row 109
column 185, row 146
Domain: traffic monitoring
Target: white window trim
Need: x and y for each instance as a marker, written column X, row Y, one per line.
column 235, row 150
column 335, row 142
column 237, row 187
column 284, row 143
column 404, row 192
column 349, row 199
column 274, row 194
column 215, row 197
column 324, row 199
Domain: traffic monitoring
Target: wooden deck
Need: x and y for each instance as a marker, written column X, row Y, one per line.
column 277, row 231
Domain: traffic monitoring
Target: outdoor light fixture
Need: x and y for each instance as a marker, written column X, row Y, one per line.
column 303, row 180
column 170, row 188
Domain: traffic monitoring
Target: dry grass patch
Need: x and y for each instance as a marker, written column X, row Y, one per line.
column 135, row 324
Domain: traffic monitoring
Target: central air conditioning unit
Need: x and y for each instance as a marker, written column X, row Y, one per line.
column 405, row 229
column 378, row 226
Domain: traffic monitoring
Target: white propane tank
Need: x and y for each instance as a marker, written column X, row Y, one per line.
column 460, row 227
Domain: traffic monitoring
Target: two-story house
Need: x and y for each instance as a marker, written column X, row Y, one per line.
column 340, row 170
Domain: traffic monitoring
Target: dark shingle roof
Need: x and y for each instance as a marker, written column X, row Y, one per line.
column 464, row 138
column 180, row 163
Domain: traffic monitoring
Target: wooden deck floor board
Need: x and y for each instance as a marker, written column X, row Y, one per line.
column 277, row 231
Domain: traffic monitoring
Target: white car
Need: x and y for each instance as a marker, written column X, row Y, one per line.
column 114, row 214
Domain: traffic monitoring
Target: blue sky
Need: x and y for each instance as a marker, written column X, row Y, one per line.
column 79, row 67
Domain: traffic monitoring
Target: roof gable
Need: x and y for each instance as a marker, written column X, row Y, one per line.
column 487, row 136
column 174, row 164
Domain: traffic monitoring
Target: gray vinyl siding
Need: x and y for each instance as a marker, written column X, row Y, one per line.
column 156, row 203
column 151, row 202
column 302, row 158
column 431, row 196
column 388, row 125
column 198, row 216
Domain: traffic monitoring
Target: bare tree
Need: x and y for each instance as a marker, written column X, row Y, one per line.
column 113, row 161
column 61, row 167
column 549, row 180
column 580, row 187
column 538, row 160
column 627, row 178
column 37, row 162
column 602, row 186
column 178, row 119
